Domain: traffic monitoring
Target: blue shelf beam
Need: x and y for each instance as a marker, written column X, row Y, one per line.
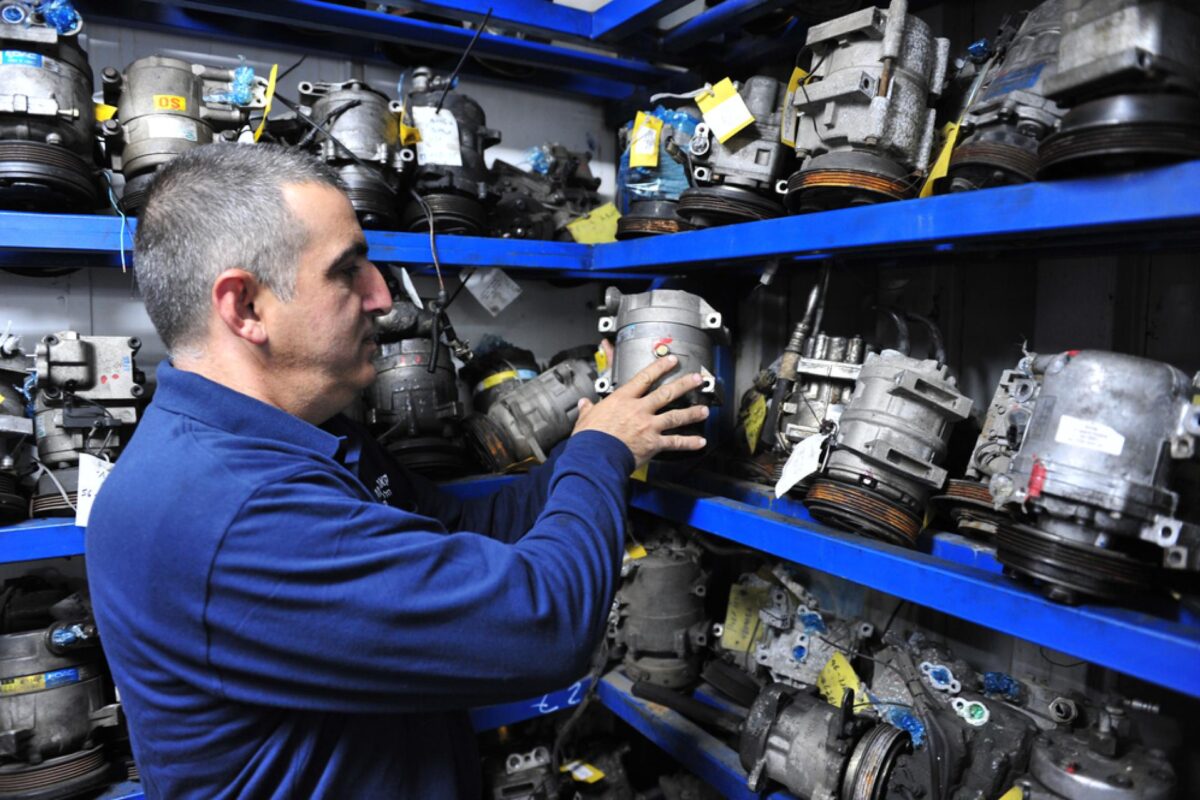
column 1147, row 647
column 491, row 717
column 701, row 752
column 528, row 15
column 59, row 236
column 39, row 539
column 1156, row 204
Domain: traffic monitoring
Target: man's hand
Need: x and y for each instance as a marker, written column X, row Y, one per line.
column 632, row 416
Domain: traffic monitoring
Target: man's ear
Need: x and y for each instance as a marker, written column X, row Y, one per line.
column 234, row 294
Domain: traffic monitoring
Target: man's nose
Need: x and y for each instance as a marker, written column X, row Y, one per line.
column 376, row 297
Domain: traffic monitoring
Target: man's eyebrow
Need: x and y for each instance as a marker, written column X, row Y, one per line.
column 354, row 250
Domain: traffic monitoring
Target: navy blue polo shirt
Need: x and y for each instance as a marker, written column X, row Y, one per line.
column 288, row 614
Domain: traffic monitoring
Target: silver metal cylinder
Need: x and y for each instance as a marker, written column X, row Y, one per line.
column 864, row 121
column 1093, row 473
column 660, row 620
column 885, row 457
column 165, row 107
column 368, row 124
column 528, row 421
column 46, row 115
column 1011, row 113
column 824, row 384
column 660, row 323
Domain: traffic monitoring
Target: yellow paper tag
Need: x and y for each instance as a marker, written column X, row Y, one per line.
column 269, row 97
column 1015, row 793
column 601, row 360
column 752, row 420
column 836, row 678
column 642, row 473
column 741, row 617
column 724, row 110
column 105, row 112
column 582, row 772
column 942, row 165
column 635, row 551
column 408, row 134
column 596, row 227
column 643, row 142
column 170, row 102
column 787, row 127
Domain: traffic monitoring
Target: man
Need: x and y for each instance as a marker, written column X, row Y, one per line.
column 275, row 630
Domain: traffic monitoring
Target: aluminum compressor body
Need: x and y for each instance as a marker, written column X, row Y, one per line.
column 884, row 458
column 657, row 324
column 1011, row 113
column 167, row 106
column 816, row 750
column 367, row 123
column 527, row 422
column 16, row 429
column 823, row 385
column 865, row 125
column 539, row 204
column 450, row 175
column 1129, row 72
column 660, row 623
column 738, row 180
column 798, row 640
column 49, row 712
column 89, row 391
column 1093, row 474
column 47, row 155
column 968, row 500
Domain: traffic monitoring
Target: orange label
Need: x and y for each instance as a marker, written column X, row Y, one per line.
column 170, row 102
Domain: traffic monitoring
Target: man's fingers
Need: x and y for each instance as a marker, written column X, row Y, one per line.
column 669, row 392
column 677, row 442
column 639, row 384
column 584, row 404
column 681, row 417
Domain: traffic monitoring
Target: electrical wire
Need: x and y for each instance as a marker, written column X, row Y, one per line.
column 1073, row 664
column 289, row 70
column 462, row 60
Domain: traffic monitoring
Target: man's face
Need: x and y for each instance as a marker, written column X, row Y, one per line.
column 323, row 337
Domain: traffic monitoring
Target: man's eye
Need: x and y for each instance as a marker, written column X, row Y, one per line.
column 351, row 270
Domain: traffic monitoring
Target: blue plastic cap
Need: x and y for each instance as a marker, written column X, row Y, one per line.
column 13, row 14
column 812, row 622
column 799, row 652
column 59, row 13
column 979, row 50
column 941, row 675
column 539, row 160
column 241, row 89
column 1001, row 683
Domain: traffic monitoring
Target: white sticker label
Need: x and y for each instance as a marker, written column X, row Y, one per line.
column 804, row 461
column 439, row 143
column 1089, row 435
column 92, row 474
column 163, row 126
column 494, row 290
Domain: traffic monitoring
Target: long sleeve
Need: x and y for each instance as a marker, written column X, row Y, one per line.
column 505, row 515
column 373, row 610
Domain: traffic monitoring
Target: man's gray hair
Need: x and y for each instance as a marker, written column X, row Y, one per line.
column 211, row 209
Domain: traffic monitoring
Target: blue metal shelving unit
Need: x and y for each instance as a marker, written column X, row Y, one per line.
column 615, row 54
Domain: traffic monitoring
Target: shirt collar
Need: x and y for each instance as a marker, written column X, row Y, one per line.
column 195, row 396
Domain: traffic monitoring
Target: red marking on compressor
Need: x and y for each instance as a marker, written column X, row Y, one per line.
column 662, row 347
column 1037, row 479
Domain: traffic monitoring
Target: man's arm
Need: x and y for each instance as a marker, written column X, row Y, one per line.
column 371, row 613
